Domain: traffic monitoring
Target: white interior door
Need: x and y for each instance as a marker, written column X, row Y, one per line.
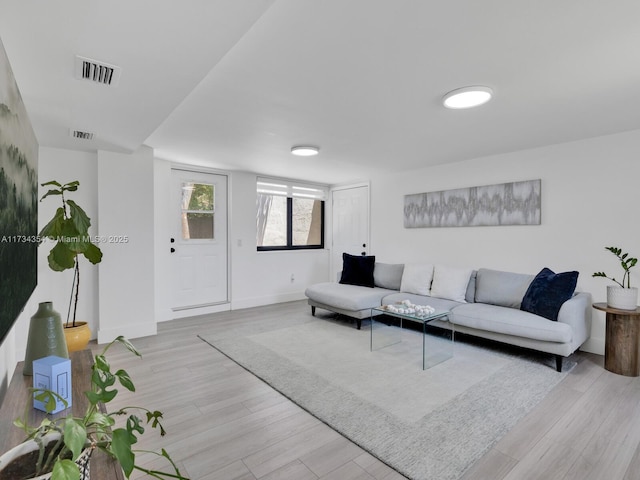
column 199, row 239
column 350, row 224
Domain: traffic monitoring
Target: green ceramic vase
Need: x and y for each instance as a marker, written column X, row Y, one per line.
column 46, row 337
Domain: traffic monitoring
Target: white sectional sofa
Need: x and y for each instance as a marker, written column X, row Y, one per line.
column 486, row 304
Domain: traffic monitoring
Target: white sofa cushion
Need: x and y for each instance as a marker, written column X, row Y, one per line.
column 510, row 321
column 388, row 275
column 416, row 278
column 501, row 288
column 450, row 282
column 346, row 297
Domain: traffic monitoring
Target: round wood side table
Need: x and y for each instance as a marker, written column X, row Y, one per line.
column 622, row 340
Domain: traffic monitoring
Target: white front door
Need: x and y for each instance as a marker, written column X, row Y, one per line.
column 350, row 225
column 199, row 239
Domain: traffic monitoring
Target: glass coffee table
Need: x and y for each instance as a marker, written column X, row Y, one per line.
column 435, row 349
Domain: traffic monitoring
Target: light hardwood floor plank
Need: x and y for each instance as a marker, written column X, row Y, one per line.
column 289, row 449
column 295, row 470
column 330, row 456
column 493, row 465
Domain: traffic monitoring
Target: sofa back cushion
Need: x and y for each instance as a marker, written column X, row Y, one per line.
column 416, row 278
column 470, row 296
column 504, row 289
column 387, row 275
column 450, row 282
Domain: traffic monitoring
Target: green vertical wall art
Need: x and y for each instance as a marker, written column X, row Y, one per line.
column 18, row 201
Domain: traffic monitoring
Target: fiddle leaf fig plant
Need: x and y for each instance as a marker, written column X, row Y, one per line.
column 96, row 429
column 69, row 229
column 626, row 262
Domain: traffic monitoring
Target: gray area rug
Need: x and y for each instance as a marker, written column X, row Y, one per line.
column 431, row 424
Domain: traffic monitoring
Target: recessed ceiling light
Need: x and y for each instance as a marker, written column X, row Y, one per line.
column 305, row 150
column 467, row 97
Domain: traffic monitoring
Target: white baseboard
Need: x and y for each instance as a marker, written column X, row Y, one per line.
column 266, row 300
column 129, row 332
column 194, row 312
column 594, row 345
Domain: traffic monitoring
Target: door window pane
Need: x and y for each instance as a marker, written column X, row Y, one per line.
column 198, row 211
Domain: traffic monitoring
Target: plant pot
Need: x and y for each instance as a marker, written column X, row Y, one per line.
column 622, row 298
column 77, row 337
column 17, row 454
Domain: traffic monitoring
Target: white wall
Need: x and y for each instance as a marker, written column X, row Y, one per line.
column 126, row 224
column 64, row 166
column 589, row 196
column 261, row 278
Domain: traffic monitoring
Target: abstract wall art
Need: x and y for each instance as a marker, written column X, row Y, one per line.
column 18, row 201
column 515, row 203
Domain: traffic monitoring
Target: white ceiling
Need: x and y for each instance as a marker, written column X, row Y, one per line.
column 235, row 83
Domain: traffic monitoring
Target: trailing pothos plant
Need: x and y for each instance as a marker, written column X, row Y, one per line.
column 69, row 229
column 95, row 429
column 626, row 262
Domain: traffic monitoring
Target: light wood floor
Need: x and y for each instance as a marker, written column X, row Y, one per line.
column 223, row 423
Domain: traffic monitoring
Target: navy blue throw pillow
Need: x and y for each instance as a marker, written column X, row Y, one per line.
column 358, row 270
column 548, row 291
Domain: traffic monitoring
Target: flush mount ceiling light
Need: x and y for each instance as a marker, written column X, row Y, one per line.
column 305, row 150
column 467, row 97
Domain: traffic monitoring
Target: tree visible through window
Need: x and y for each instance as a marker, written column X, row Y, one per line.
column 197, row 210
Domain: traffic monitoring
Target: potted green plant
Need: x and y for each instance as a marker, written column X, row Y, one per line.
column 62, row 446
column 622, row 295
column 69, row 229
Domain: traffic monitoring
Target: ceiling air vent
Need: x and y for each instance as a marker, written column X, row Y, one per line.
column 97, row 72
column 82, row 135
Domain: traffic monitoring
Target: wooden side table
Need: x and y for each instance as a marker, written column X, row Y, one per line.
column 622, row 340
column 103, row 467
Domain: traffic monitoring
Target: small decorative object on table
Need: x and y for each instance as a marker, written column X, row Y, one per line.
column 408, row 308
column 622, row 295
column 52, row 373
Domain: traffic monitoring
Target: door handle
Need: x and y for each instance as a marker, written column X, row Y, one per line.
column 173, row 250
column 363, row 253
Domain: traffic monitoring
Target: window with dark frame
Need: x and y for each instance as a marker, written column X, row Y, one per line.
column 290, row 215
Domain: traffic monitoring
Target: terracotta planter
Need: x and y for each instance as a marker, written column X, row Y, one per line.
column 27, row 447
column 77, row 337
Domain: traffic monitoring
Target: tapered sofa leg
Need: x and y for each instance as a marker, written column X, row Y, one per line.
column 313, row 311
column 559, row 363
column 358, row 323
